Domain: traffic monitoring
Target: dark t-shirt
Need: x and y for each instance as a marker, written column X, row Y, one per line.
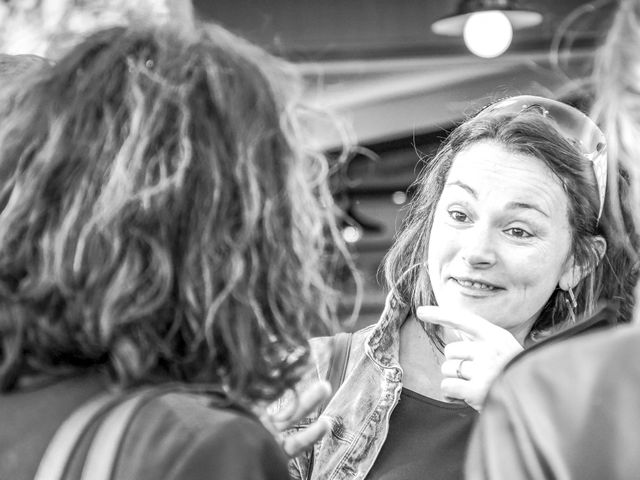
column 174, row 437
column 427, row 440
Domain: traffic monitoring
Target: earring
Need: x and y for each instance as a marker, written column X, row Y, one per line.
column 573, row 304
column 572, row 298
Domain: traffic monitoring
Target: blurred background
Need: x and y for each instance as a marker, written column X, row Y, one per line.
column 379, row 64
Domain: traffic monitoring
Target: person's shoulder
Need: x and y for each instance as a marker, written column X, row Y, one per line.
column 566, row 398
column 207, row 416
column 589, row 354
column 182, row 433
column 322, row 348
column 318, row 343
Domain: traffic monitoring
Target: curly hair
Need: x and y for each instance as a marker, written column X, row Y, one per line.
column 530, row 133
column 162, row 214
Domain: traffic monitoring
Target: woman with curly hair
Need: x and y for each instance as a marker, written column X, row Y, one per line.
column 163, row 221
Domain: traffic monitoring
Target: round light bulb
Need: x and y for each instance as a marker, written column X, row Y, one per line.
column 399, row 197
column 487, row 34
column 351, row 234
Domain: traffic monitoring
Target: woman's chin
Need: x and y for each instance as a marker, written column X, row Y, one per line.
column 497, row 314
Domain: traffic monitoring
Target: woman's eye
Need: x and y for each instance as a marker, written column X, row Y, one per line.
column 518, row 233
column 458, row 216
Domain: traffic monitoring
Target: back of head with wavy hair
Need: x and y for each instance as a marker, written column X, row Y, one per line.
column 161, row 215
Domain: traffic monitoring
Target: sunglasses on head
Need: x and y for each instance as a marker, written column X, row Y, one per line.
column 571, row 123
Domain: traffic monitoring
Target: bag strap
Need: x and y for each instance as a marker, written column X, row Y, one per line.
column 54, row 462
column 340, row 351
column 114, row 412
column 341, row 348
column 105, row 445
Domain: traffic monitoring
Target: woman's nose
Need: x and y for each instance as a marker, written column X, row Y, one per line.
column 478, row 247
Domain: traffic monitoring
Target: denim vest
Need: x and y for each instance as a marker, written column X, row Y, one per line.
column 360, row 409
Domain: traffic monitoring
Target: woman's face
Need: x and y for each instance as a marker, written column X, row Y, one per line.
column 500, row 241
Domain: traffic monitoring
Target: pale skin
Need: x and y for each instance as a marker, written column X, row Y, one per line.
column 499, row 247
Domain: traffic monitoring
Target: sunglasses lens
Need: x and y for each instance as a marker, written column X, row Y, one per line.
column 570, row 122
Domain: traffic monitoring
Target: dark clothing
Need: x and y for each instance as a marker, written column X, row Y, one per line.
column 409, row 454
column 569, row 410
column 175, row 436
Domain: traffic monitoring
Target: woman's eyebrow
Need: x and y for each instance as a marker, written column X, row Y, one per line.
column 526, row 206
column 509, row 206
column 464, row 186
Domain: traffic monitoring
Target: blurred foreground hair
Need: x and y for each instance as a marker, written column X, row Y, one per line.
column 617, row 110
column 161, row 214
column 12, row 67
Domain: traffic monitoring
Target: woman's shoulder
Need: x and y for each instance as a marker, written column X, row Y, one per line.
column 199, row 412
column 583, row 362
column 567, row 397
column 178, row 435
column 322, row 348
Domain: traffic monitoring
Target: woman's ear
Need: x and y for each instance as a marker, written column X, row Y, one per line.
column 600, row 246
column 575, row 272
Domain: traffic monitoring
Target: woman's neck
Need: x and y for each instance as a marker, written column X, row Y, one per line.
column 420, row 360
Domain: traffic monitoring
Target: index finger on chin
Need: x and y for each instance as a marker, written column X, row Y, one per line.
column 469, row 326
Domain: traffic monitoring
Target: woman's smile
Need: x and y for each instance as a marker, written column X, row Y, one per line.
column 475, row 287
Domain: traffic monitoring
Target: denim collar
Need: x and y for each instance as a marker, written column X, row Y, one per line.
column 382, row 344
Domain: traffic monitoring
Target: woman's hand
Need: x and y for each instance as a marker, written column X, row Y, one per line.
column 475, row 360
column 307, row 401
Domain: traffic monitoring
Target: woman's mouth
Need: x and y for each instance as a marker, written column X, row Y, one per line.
column 475, row 284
